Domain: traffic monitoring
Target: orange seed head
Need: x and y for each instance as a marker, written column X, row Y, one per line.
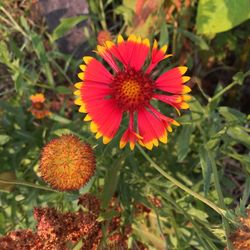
column 67, row 163
column 103, row 36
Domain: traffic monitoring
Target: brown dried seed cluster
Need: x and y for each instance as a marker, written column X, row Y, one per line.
column 241, row 237
column 21, row 240
column 67, row 163
column 155, row 201
column 60, row 228
column 56, row 230
column 141, row 209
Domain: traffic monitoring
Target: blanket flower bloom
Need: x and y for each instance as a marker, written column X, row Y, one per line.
column 38, row 109
column 129, row 89
column 67, row 163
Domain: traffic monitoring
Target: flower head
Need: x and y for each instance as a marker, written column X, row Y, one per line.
column 129, row 90
column 103, row 36
column 38, row 108
column 67, row 163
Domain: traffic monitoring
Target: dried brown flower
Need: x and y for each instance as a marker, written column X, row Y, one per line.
column 241, row 237
column 56, row 230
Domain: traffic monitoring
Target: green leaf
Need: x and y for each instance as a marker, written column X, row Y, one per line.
column 63, row 90
column 243, row 159
column 215, row 139
column 239, row 135
column 197, row 213
column 67, row 24
column 183, row 142
column 206, row 167
column 216, row 16
column 164, row 35
column 111, row 181
column 4, row 139
column 197, row 40
column 4, row 53
column 239, row 77
column 232, row 115
column 78, row 246
column 19, row 83
column 197, row 111
column 38, row 46
column 246, row 193
column 62, row 131
column 59, row 119
column 24, row 23
column 126, row 12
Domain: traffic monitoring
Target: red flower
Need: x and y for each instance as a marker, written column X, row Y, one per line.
column 129, row 89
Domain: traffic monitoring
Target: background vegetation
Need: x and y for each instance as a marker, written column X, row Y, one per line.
column 201, row 177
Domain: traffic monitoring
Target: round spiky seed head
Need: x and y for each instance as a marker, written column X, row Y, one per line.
column 103, row 36
column 67, row 163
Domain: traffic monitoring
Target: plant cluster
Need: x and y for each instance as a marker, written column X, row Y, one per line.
column 62, row 187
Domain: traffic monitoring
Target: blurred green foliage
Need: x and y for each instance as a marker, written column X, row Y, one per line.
column 213, row 141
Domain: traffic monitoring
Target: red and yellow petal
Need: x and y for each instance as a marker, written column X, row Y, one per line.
column 95, row 72
column 106, row 118
column 39, row 97
column 132, row 53
column 151, row 128
column 167, row 121
column 157, row 55
column 172, row 81
column 176, row 101
column 139, row 51
column 130, row 137
column 105, row 53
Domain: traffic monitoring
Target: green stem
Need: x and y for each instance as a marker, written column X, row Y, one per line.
column 198, row 82
column 27, row 184
column 103, row 21
column 182, row 186
column 223, row 91
column 14, row 23
column 179, row 209
column 221, row 200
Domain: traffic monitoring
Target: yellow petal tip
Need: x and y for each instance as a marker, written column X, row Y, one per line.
column 185, row 89
column 77, row 93
column 106, row 139
column 87, row 118
column 183, row 69
column 78, row 102
column 82, row 109
column 164, row 49
column 78, row 85
column 120, row 39
column 81, row 75
column 82, row 67
column 185, row 79
column 186, row 97
column 93, row 127
column 87, row 59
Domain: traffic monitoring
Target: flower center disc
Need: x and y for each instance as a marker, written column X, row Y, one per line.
column 38, row 105
column 132, row 89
